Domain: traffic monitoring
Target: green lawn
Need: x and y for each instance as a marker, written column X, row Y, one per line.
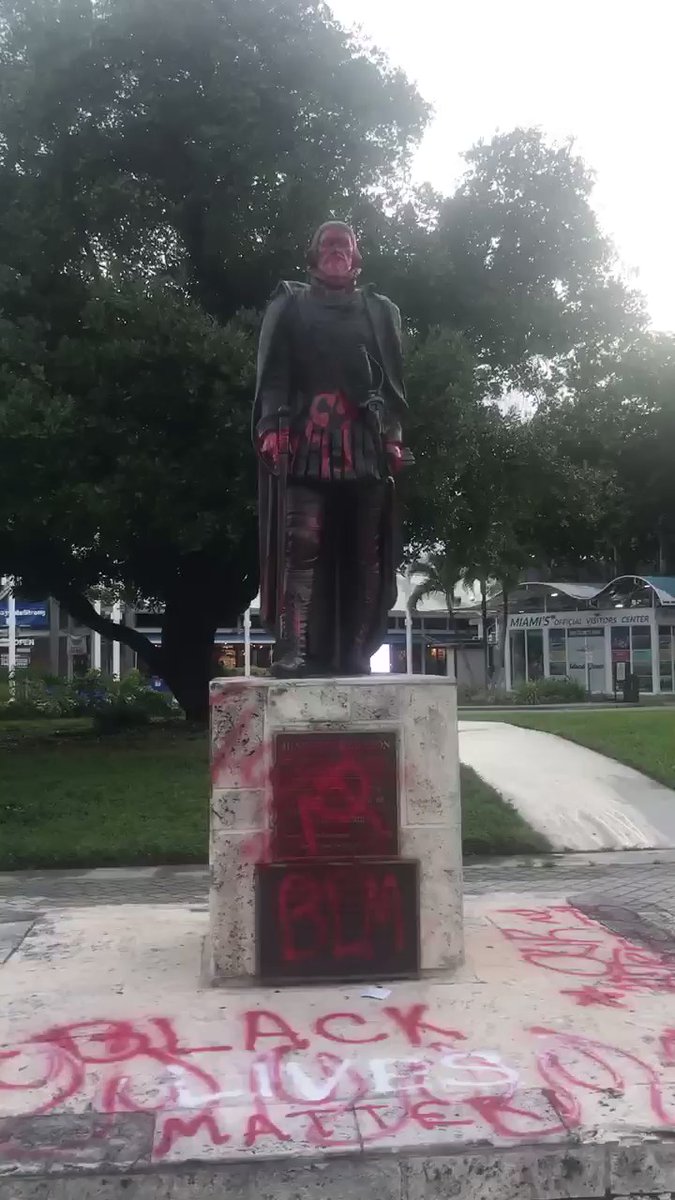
column 70, row 799
column 641, row 739
column 490, row 825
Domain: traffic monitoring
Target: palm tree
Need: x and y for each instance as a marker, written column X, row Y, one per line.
column 440, row 572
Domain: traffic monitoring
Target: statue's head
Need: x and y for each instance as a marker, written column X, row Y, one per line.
column 334, row 256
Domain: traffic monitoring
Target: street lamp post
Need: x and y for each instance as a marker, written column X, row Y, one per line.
column 96, row 642
column 11, row 643
column 408, row 625
column 247, row 642
column 116, row 647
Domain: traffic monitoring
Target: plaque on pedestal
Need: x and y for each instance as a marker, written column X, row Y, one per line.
column 323, row 920
column 334, row 795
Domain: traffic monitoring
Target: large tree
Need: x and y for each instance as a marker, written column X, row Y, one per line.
column 515, row 260
column 618, row 426
column 121, row 462
column 197, row 141
column 161, row 165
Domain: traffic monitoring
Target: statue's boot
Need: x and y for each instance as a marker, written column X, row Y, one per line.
column 305, row 520
column 294, row 625
column 368, row 584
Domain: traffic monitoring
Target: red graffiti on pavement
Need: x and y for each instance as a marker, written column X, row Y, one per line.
column 588, row 997
column 563, row 940
column 289, row 1085
column 572, row 1065
column 272, row 1083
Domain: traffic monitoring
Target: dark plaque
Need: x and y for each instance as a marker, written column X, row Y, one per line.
column 338, row 920
column 334, row 795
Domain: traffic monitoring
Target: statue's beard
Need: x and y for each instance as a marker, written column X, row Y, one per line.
column 345, row 281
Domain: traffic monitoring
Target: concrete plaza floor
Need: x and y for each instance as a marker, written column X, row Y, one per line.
column 544, row 1068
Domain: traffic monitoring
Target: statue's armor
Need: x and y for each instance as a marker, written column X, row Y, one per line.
column 325, row 348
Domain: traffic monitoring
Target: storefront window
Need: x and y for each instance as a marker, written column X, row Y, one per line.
column 642, row 656
column 517, row 642
column 666, row 657
column 535, row 654
column 557, row 651
column 437, row 660
column 620, row 655
column 586, row 653
column 398, row 660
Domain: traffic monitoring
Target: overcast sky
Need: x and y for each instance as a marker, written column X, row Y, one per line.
column 602, row 71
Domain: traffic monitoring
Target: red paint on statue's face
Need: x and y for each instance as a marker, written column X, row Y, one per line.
column 336, row 255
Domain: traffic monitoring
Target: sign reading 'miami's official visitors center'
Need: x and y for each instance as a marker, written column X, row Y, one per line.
column 576, row 620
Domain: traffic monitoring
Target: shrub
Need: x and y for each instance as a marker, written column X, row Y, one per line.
column 90, row 695
column 556, row 690
column 468, row 694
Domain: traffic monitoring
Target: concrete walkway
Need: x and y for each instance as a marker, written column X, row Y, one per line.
column 579, row 799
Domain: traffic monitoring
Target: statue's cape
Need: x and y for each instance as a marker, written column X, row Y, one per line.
column 386, row 325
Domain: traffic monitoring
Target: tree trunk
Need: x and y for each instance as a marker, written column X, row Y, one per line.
column 484, row 619
column 501, row 671
column 188, row 631
column 194, row 608
column 187, row 668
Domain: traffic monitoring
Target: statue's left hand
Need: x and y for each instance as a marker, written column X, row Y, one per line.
column 395, row 457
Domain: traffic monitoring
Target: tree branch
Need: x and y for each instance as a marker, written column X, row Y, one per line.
column 418, row 593
column 83, row 610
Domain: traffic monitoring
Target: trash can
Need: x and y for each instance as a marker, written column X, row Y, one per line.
column 631, row 689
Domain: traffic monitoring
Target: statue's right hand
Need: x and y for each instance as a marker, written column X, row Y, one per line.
column 270, row 449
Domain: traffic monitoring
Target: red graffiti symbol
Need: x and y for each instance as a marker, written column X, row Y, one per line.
column 334, row 795
column 300, row 914
column 254, row 1029
column 589, row 996
column 565, row 941
column 668, row 1046
column 39, row 1067
column 323, row 1029
column 413, row 1023
column 342, row 914
column 175, row 1128
column 237, row 759
column 571, row 1064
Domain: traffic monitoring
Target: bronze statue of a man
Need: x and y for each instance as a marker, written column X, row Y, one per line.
column 327, row 419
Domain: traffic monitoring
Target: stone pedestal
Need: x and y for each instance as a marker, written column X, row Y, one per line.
column 335, row 828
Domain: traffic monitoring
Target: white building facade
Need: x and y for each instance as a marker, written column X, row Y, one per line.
column 599, row 637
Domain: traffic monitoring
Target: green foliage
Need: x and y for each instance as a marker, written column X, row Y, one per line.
column 441, row 572
column 197, row 143
column 556, row 690
column 535, row 281
column 111, row 702
column 161, row 167
column 477, row 697
column 490, row 825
